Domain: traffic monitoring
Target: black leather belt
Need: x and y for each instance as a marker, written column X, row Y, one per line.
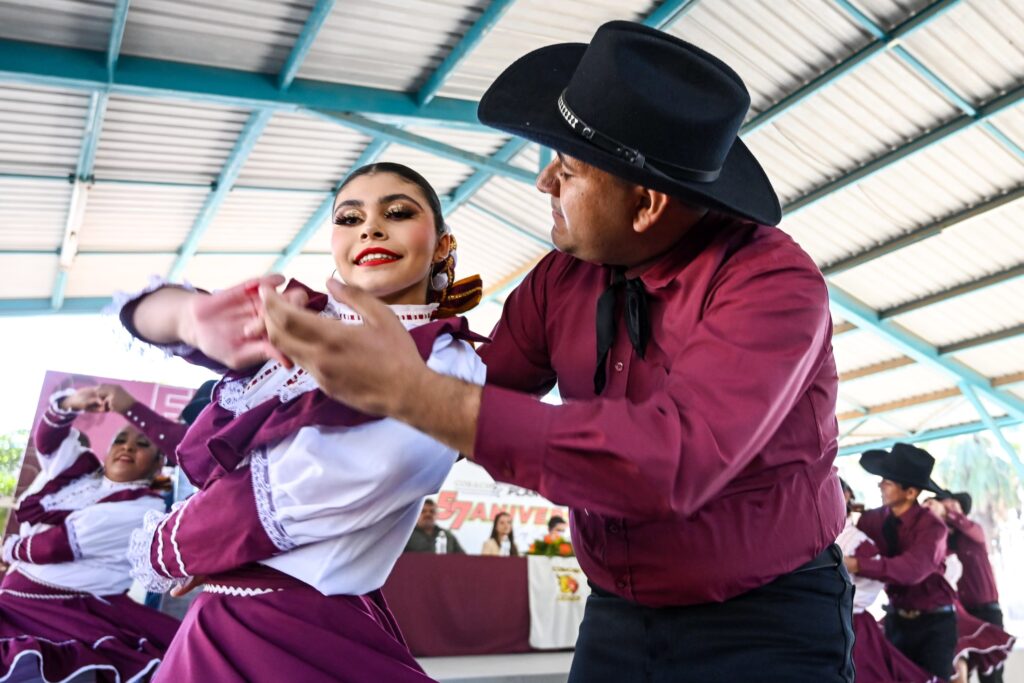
column 915, row 613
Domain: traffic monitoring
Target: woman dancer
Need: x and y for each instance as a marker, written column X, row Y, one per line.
column 320, row 497
column 63, row 608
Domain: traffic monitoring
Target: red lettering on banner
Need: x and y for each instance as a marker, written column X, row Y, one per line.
column 448, row 505
column 479, row 512
column 497, row 509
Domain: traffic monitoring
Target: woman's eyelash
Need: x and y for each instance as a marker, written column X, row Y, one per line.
column 347, row 219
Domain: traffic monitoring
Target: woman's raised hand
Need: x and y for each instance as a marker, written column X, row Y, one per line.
column 85, row 399
column 228, row 326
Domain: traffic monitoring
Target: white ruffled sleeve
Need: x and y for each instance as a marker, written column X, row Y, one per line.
column 330, row 481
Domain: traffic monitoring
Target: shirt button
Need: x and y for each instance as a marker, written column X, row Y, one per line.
column 618, row 366
column 613, row 528
column 620, row 584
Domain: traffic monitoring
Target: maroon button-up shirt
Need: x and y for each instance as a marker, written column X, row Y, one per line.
column 704, row 469
column 913, row 577
column 977, row 585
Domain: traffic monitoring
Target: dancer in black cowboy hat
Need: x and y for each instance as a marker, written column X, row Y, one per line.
column 691, row 341
column 921, row 619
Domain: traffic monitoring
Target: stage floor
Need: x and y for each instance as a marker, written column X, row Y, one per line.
column 540, row 667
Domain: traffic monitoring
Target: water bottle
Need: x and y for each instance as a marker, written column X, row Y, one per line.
column 506, row 547
column 441, row 543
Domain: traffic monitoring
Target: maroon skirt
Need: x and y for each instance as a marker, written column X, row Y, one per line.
column 258, row 624
column 985, row 646
column 59, row 634
column 877, row 660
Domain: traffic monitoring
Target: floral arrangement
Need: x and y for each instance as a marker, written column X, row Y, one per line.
column 551, row 545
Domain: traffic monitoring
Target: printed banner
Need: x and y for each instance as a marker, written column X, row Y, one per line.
column 558, row 596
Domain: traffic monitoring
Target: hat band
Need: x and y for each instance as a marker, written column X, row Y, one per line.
column 629, row 154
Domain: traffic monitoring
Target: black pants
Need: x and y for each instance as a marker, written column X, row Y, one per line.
column 929, row 640
column 993, row 615
column 797, row 628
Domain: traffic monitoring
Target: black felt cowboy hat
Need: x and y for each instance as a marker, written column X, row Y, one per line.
column 905, row 464
column 961, row 497
column 642, row 105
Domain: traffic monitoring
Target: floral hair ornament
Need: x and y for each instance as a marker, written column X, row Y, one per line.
column 453, row 297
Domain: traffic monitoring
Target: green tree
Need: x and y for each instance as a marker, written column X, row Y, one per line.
column 973, row 465
column 12, row 448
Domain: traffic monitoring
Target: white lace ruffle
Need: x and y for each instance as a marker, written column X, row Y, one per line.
column 231, row 396
column 86, row 490
column 259, row 466
column 76, row 547
column 121, row 299
column 55, row 399
column 139, row 553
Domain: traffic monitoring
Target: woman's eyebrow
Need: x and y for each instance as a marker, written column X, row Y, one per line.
column 392, row 197
column 349, row 202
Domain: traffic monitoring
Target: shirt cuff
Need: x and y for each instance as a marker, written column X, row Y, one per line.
column 871, row 568
column 56, row 414
column 512, row 436
column 158, row 428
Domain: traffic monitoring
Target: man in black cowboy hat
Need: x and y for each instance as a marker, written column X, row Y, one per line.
column 977, row 585
column 921, row 619
column 691, row 343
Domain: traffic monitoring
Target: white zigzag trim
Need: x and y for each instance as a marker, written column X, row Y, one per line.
column 237, row 592
column 174, row 537
column 139, row 553
column 36, row 596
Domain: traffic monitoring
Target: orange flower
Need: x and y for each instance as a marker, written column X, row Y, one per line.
column 550, row 538
column 565, row 549
column 533, row 547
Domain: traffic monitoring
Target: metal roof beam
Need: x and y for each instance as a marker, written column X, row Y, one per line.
column 921, row 351
column 120, row 21
column 470, row 185
column 930, row 435
column 244, row 145
column 932, row 78
column 668, row 13
column 79, row 192
column 954, row 292
column 470, row 39
column 316, row 221
column 62, row 67
column 993, row 427
column 975, row 342
column 304, row 43
column 425, row 144
column 1012, row 379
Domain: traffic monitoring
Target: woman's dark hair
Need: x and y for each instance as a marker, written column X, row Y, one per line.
column 405, row 173
column 513, row 551
column 847, row 489
column 555, row 521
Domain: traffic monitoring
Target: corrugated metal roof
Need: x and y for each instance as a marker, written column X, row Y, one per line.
column 148, row 139
column 251, row 220
column 392, row 45
column 138, row 218
column 251, row 35
column 528, row 25
column 91, row 275
column 40, row 130
column 968, row 316
column 32, row 214
column 73, row 23
column 27, row 276
column 223, row 270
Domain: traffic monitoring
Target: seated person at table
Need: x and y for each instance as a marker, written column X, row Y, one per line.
column 557, row 526
column 428, row 537
column 501, row 541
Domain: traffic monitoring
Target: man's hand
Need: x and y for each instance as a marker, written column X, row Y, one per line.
column 115, row 398
column 936, row 507
column 852, row 564
column 373, row 367
column 190, row 584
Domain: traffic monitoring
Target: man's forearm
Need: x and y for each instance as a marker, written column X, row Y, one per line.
column 442, row 407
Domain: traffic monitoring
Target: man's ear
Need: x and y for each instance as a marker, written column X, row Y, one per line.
column 651, row 205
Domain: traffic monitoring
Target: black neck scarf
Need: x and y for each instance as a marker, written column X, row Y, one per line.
column 891, row 535
column 638, row 323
